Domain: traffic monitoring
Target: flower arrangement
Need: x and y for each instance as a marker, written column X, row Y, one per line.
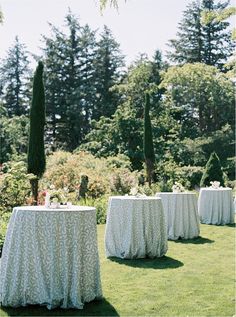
column 56, row 197
column 178, row 188
column 215, row 184
column 134, row 191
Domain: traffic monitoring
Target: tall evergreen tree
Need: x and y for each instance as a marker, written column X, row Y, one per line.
column 15, row 75
column 36, row 153
column 148, row 148
column 108, row 64
column 71, row 83
column 208, row 43
column 88, row 76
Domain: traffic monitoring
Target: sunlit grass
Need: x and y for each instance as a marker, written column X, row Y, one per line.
column 196, row 278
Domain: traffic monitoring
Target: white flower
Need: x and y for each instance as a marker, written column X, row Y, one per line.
column 215, row 184
column 52, row 187
column 178, row 188
column 134, row 191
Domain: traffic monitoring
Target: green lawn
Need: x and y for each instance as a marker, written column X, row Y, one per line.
column 195, row 278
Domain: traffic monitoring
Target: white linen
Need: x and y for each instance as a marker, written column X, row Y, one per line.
column 215, row 206
column 181, row 214
column 135, row 228
column 50, row 257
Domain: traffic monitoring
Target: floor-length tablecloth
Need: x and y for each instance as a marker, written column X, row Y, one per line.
column 50, row 257
column 135, row 228
column 181, row 214
column 215, row 206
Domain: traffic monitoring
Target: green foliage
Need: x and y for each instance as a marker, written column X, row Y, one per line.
column 1, row 16
column 219, row 16
column 206, row 42
column 148, row 149
column 122, row 181
column 80, row 70
column 101, row 205
column 13, row 138
column 201, row 90
column 4, row 218
column 14, row 186
column 15, row 80
column 36, row 154
column 213, row 171
column 65, row 169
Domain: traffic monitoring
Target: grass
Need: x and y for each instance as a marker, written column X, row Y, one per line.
column 195, row 278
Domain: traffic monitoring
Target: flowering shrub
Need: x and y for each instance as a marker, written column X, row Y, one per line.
column 122, row 180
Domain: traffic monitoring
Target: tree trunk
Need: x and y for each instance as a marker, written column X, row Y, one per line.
column 34, row 189
column 150, row 170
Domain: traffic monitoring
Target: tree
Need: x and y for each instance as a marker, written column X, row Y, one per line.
column 1, row 16
column 13, row 138
column 213, row 171
column 79, row 74
column 103, row 4
column 36, row 153
column 201, row 98
column 148, row 148
column 123, row 132
column 219, row 15
column 15, row 75
column 208, row 43
column 108, row 65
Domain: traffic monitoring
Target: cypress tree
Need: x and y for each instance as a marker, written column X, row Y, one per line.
column 148, row 148
column 213, row 171
column 36, row 153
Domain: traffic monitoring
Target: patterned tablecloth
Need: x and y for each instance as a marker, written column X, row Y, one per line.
column 215, row 206
column 135, row 228
column 50, row 257
column 182, row 215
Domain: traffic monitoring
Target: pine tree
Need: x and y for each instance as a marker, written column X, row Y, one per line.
column 212, row 172
column 71, row 83
column 198, row 42
column 36, row 153
column 15, row 75
column 108, row 65
column 148, row 148
column 88, row 77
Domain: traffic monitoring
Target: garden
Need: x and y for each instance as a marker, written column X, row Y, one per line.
column 83, row 129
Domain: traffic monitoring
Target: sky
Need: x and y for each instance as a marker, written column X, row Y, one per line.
column 139, row 26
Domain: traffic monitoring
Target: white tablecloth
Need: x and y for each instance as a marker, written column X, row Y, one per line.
column 50, row 257
column 135, row 228
column 215, row 206
column 181, row 214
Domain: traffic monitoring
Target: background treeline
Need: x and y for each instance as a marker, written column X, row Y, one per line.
column 95, row 104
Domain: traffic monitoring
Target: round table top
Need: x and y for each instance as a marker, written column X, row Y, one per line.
column 64, row 208
column 216, row 189
column 135, row 197
column 176, row 193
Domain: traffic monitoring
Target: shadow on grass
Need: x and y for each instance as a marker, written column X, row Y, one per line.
column 164, row 262
column 94, row 308
column 198, row 240
column 232, row 225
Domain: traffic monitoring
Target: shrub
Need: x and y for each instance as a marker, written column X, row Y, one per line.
column 4, row 218
column 14, row 185
column 212, row 172
column 122, row 180
column 101, row 205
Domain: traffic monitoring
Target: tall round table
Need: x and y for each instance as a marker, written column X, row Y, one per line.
column 135, row 228
column 215, row 206
column 50, row 257
column 181, row 214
